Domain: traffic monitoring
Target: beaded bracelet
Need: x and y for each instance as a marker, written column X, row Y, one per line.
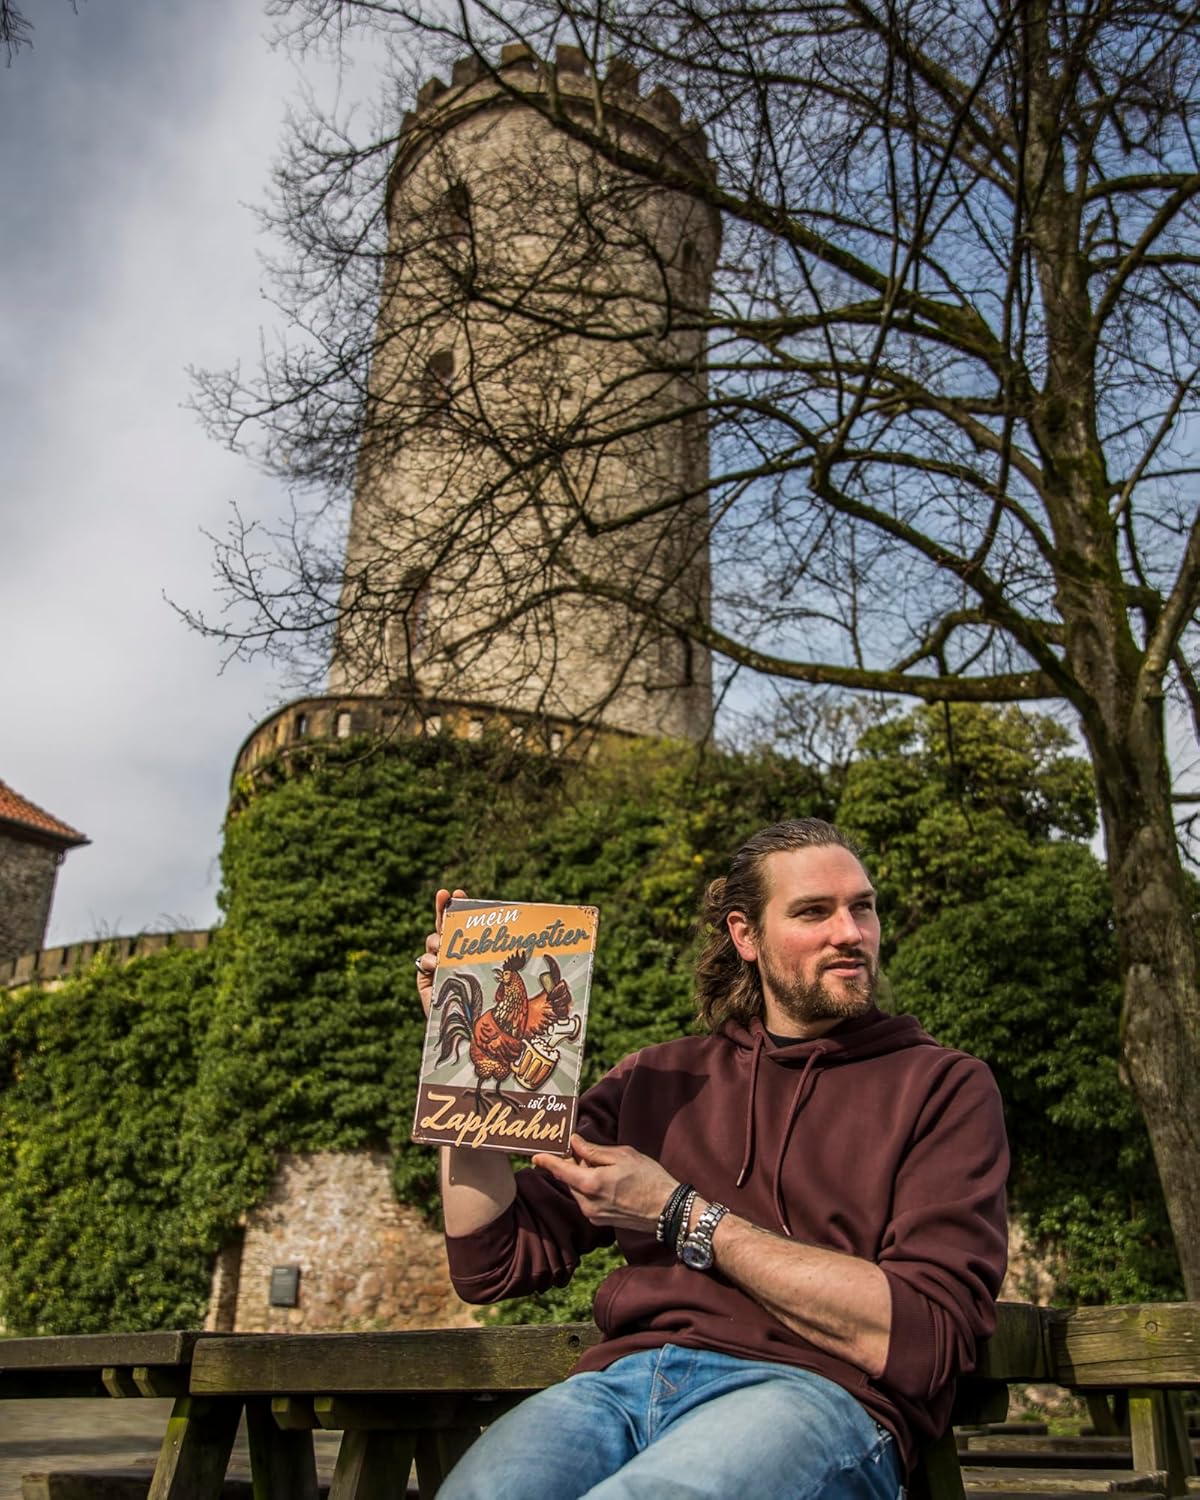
column 667, row 1227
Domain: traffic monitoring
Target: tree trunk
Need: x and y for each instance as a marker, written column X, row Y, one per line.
column 1160, row 1021
column 1119, row 701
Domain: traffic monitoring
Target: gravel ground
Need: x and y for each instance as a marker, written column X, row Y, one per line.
column 102, row 1434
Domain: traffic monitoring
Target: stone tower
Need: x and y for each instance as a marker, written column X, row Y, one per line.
column 537, row 410
column 32, row 846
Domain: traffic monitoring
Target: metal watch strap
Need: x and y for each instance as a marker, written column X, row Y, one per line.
column 698, row 1244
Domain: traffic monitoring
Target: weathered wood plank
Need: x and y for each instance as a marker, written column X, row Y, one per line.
column 1043, row 1458
column 991, row 1494
column 1181, row 1457
column 1063, row 1481
column 437, row 1453
column 195, row 1451
column 293, row 1413
column 1018, row 1349
column 492, row 1359
column 459, row 1359
column 93, row 1351
column 372, row 1466
column 351, row 1413
column 978, row 1402
column 157, row 1381
column 1158, row 1436
column 1109, row 1412
column 937, row 1475
column 1056, row 1447
column 119, row 1382
column 282, row 1461
column 1107, row 1347
column 110, row 1484
column 1147, row 1431
column 434, row 1413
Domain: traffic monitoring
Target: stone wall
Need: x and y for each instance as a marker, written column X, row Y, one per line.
column 27, row 874
column 50, row 966
column 365, row 1261
column 339, row 716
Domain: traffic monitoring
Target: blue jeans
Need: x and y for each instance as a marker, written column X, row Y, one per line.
column 671, row 1423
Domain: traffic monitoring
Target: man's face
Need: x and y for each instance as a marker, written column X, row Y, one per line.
column 817, row 942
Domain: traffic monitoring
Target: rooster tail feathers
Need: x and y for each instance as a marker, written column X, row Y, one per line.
column 460, row 1001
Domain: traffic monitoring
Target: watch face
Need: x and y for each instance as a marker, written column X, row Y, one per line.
column 697, row 1255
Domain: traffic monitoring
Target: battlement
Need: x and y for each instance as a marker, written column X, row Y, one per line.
column 343, row 716
column 51, row 966
column 475, row 82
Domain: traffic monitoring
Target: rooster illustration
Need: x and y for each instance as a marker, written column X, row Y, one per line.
column 497, row 1037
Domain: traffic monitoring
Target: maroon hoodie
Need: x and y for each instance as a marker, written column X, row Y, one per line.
column 871, row 1140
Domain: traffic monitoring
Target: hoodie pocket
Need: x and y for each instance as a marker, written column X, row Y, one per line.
column 607, row 1299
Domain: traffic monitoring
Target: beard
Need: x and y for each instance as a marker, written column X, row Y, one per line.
column 821, row 999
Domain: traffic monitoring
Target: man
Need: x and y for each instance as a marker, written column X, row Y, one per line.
column 795, row 1327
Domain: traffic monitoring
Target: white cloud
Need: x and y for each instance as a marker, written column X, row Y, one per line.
column 134, row 138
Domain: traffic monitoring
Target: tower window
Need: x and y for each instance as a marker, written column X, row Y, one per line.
column 438, row 384
column 689, row 663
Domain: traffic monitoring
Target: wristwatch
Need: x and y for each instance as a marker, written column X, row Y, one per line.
column 696, row 1251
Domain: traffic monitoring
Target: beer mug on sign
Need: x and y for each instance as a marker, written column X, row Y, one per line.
column 535, row 1064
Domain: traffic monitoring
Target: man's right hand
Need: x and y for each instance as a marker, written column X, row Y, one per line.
column 427, row 963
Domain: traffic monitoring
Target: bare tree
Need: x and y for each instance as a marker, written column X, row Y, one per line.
column 947, row 372
column 15, row 29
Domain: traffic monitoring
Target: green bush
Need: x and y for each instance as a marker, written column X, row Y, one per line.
column 1000, row 939
column 1026, row 978
column 96, row 1223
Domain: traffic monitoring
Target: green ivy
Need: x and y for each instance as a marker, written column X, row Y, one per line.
column 95, row 1222
column 143, row 1108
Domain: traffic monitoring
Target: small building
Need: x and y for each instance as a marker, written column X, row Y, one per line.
column 32, row 846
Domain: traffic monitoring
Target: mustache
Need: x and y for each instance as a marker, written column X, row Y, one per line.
column 851, row 955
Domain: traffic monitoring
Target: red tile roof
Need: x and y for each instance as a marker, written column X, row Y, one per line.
column 27, row 815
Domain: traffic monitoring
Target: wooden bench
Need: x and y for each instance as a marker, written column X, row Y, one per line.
column 400, row 1399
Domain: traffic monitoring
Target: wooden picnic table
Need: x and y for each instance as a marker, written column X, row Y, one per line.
column 422, row 1397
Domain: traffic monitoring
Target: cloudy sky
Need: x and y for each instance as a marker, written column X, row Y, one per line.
column 134, row 137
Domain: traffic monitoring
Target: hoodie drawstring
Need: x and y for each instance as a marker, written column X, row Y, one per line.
column 748, row 1153
column 798, row 1100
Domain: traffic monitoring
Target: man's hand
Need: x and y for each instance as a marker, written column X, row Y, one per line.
column 427, row 963
column 613, row 1185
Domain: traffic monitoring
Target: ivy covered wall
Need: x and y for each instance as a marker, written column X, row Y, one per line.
column 143, row 1108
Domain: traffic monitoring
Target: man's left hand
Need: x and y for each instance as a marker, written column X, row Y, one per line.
column 613, row 1185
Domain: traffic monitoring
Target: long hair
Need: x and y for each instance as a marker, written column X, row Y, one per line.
column 727, row 985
